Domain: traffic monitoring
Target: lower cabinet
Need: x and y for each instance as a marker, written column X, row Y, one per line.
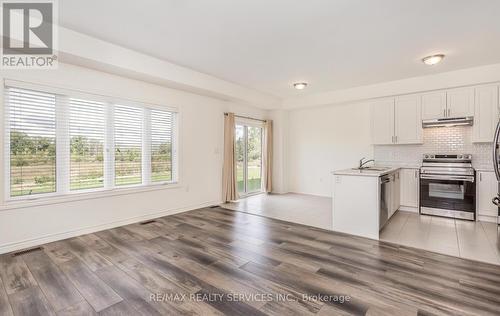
column 409, row 184
column 396, row 193
column 486, row 190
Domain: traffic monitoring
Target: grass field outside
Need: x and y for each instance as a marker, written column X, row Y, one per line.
column 39, row 179
column 254, row 179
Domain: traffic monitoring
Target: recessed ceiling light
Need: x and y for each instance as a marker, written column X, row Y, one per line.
column 300, row 85
column 433, row 59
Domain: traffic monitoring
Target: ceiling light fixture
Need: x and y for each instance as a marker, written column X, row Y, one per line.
column 433, row 59
column 300, row 85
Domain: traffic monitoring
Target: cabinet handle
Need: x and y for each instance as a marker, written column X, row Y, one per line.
column 449, row 112
column 444, row 112
column 481, row 177
column 416, row 174
column 395, row 139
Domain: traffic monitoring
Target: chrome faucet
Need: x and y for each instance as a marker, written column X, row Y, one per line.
column 361, row 163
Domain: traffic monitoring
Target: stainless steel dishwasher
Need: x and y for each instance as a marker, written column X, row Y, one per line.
column 385, row 199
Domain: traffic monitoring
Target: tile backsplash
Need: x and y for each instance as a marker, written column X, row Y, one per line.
column 439, row 140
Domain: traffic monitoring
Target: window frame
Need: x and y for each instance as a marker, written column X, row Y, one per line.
column 109, row 189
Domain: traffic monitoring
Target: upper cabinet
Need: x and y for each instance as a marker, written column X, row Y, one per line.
column 382, row 114
column 408, row 120
column 460, row 102
column 448, row 104
column 486, row 113
column 434, row 105
column 397, row 120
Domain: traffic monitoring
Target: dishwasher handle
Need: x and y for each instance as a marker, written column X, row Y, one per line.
column 385, row 179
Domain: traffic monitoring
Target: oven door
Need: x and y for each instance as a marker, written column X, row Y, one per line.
column 448, row 193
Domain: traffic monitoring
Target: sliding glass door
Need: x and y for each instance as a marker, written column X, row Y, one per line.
column 248, row 158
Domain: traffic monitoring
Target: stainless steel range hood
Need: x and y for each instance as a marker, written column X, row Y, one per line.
column 456, row 121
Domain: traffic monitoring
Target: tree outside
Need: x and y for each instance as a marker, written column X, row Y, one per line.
column 32, row 164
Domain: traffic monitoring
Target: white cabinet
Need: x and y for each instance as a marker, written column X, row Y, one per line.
column 434, row 105
column 382, row 114
column 409, row 187
column 395, row 194
column 460, row 102
column 448, row 104
column 486, row 189
column 408, row 120
column 486, row 113
column 397, row 120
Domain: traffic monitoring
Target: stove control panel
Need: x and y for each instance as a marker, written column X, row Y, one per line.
column 447, row 157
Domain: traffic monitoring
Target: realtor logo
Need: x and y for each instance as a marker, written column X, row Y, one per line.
column 29, row 34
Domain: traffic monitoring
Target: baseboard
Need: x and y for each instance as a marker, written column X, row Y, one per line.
column 409, row 209
column 10, row 247
column 485, row 218
column 279, row 192
column 312, row 194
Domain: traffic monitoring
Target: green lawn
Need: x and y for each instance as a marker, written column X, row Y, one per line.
column 30, row 187
column 254, row 179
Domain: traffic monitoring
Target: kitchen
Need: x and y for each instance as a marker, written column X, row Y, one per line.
column 432, row 181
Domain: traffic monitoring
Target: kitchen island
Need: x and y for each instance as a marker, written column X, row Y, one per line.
column 364, row 199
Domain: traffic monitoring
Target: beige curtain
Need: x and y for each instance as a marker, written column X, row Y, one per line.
column 229, row 192
column 268, row 156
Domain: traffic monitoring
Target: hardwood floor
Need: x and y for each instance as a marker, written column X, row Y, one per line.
column 215, row 261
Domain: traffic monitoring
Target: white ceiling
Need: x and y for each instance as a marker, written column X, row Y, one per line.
column 269, row 44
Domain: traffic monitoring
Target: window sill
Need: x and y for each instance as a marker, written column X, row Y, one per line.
column 80, row 196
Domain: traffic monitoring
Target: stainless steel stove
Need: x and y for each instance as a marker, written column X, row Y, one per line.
column 448, row 186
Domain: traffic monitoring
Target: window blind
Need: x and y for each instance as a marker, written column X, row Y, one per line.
column 161, row 146
column 128, row 126
column 59, row 142
column 32, row 141
column 86, row 132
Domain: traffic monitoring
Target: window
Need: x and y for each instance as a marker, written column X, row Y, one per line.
column 248, row 157
column 86, row 126
column 32, row 132
column 128, row 145
column 61, row 142
column 161, row 146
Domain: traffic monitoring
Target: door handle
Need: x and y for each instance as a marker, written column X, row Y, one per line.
column 495, row 152
column 496, row 201
column 449, row 178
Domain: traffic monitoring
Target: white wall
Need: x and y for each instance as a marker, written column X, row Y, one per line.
column 201, row 142
column 280, row 148
column 324, row 139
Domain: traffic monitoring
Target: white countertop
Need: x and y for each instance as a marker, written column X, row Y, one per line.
column 366, row 172
column 484, row 167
